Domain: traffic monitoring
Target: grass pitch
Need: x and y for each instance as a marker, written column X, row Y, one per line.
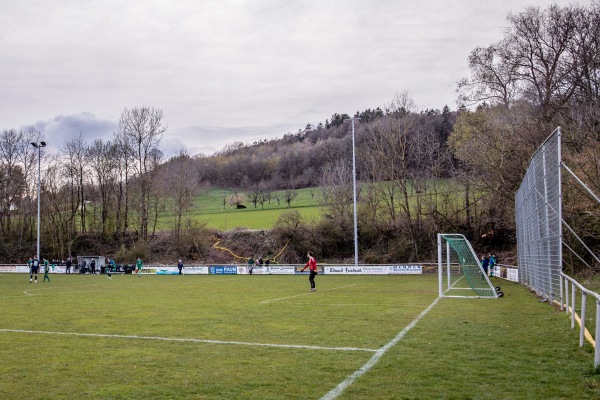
column 267, row 337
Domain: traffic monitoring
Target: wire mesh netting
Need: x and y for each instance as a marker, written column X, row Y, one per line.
column 538, row 220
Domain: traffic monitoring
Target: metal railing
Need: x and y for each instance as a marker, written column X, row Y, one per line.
column 564, row 284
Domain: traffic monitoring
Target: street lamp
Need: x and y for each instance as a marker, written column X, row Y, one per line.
column 38, row 146
column 354, row 192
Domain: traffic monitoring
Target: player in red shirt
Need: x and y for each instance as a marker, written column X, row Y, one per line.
column 312, row 267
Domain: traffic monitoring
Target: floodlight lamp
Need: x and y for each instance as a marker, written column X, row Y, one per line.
column 43, row 144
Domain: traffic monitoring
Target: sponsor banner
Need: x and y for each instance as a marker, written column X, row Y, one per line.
column 377, row 269
column 23, row 268
column 360, row 270
column 255, row 270
column 320, row 270
column 405, row 269
column 281, row 270
column 9, row 268
column 167, row 271
column 194, row 270
column 345, row 270
column 185, row 271
column 223, row 270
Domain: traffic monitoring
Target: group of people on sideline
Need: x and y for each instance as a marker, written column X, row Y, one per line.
column 259, row 262
column 34, row 264
column 488, row 262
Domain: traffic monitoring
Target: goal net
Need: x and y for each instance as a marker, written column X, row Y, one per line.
column 465, row 276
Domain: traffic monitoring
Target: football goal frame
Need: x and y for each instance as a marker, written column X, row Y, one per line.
column 465, row 276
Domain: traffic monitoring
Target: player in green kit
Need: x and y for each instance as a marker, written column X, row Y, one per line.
column 46, row 269
column 138, row 266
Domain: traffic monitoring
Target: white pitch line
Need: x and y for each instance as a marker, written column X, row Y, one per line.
column 304, row 294
column 339, row 389
column 284, row 346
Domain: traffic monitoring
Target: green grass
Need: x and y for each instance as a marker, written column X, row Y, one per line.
column 209, row 208
column 514, row 347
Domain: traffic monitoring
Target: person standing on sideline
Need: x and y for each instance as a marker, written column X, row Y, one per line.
column 138, row 266
column 93, row 266
column 485, row 263
column 35, row 266
column 312, row 267
column 492, row 264
column 46, row 270
column 68, row 264
column 250, row 265
column 180, row 267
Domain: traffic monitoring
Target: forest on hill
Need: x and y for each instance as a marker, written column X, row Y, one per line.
column 419, row 171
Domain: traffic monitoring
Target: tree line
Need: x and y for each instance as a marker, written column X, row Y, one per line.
column 110, row 188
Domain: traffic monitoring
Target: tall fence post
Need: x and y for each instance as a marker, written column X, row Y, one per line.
column 572, row 306
column 582, row 327
column 440, row 271
column 597, row 336
column 566, row 296
column 561, row 293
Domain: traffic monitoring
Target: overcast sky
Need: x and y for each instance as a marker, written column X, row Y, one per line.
column 231, row 70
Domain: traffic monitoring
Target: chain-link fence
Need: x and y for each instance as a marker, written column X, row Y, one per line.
column 538, row 211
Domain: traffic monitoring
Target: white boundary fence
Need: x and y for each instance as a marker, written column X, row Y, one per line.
column 508, row 272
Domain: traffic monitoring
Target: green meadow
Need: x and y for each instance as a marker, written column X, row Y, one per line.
column 267, row 337
column 209, row 208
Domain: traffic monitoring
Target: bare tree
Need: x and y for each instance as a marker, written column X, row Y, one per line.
column 142, row 129
column 255, row 195
column 385, row 155
column 289, row 196
column 12, row 183
column 545, row 57
column 337, row 192
column 75, row 163
column 102, row 156
column 181, row 181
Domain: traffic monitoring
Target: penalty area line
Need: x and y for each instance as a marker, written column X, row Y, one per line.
column 305, row 294
column 103, row 335
column 339, row 389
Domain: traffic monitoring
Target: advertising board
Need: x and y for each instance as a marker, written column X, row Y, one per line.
column 223, row 270
column 405, row 269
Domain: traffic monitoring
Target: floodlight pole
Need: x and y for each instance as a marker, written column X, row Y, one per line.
column 38, row 146
column 354, row 193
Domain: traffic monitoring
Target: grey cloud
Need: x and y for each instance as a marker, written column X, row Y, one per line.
column 232, row 70
column 62, row 128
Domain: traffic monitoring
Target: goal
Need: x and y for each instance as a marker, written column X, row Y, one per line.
column 465, row 276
